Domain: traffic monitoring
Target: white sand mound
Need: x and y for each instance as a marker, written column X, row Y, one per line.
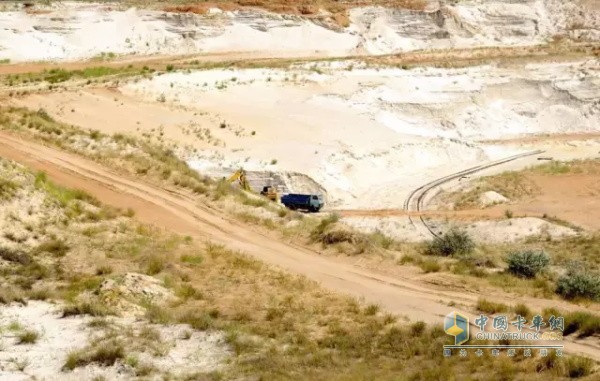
column 492, row 198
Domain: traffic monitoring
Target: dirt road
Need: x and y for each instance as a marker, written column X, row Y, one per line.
column 179, row 212
column 466, row 56
column 157, row 62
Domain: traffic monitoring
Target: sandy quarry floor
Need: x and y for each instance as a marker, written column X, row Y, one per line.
column 367, row 135
column 69, row 30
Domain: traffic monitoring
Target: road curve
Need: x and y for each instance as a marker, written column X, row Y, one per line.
column 415, row 202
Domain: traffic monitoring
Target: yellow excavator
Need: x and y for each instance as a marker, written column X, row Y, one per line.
column 268, row 191
column 240, row 177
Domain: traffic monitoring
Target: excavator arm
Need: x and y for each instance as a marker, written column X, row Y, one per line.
column 240, row 177
column 235, row 176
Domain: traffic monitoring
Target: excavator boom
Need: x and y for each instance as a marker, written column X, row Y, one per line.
column 240, row 177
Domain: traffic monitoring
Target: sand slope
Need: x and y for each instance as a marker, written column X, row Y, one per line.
column 371, row 135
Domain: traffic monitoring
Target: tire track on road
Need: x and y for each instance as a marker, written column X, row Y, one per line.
column 421, row 192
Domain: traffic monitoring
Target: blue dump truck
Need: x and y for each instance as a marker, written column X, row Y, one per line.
column 311, row 202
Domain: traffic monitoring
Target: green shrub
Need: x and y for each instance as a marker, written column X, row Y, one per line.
column 58, row 75
column 579, row 283
column 528, row 263
column 381, row 240
column 417, row 328
column 63, row 195
column 451, row 243
column 251, row 201
column 196, row 319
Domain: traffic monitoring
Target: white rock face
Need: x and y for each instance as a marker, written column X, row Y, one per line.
column 369, row 136
column 73, row 31
column 492, row 198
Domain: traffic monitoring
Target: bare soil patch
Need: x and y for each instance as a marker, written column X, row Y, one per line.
column 573, row 198
column 560, row 192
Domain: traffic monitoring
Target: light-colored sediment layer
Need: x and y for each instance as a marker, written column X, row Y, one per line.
column 73, row 31
column 371, row 135
column 491, row 231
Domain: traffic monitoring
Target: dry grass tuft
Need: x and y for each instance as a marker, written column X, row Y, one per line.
column 92, row 308
column 27, row 337
column 104, row 354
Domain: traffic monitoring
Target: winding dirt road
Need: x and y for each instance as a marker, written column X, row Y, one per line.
column 416, row 199
column 179, row 212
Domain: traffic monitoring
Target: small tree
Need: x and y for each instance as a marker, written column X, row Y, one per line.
column 527, row 263
column 451, row 243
